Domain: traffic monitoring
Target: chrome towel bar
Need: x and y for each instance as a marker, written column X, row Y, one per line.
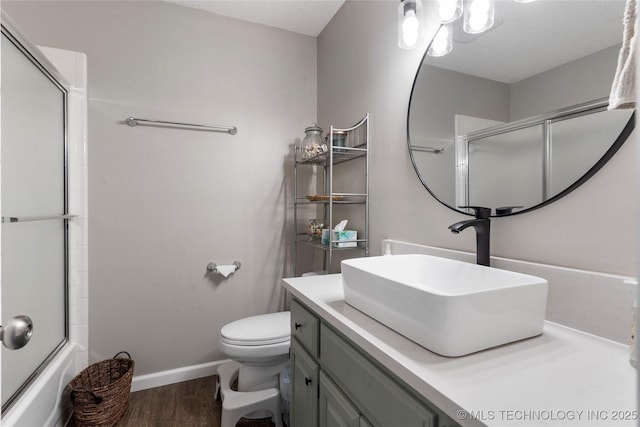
column 35, row 218
column 427, row 149
column 133, row 121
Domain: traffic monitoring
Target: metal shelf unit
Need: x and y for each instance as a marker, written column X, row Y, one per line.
column 357, row 147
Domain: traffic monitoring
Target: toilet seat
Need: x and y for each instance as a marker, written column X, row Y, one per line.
column 261, row 330
column 260, row 344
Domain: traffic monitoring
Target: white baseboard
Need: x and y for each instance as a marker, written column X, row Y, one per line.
column 172, row 376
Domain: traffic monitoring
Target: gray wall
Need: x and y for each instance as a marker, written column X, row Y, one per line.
column 582, row 80
column 435, row 103
column 360, row 64
column 165, row 202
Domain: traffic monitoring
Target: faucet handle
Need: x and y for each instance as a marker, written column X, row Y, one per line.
column 480, row 212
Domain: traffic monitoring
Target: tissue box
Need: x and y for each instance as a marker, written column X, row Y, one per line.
column 349, row 237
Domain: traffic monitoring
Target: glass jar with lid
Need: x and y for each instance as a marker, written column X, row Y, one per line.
column 313, row 143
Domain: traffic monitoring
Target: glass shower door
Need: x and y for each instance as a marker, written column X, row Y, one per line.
column 34, row 208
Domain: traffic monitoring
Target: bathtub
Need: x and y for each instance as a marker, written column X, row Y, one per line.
column 43, row 403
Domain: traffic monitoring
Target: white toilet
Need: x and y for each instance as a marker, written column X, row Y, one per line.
column 259, row 348
column 261, row 345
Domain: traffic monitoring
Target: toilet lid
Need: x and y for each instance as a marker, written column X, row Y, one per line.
column 264, row 329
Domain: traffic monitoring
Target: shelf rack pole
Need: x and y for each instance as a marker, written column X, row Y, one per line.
column 330, row 225
column 366, row 181
column 295, row 212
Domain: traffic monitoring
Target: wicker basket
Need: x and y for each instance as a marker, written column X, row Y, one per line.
column 100, row 393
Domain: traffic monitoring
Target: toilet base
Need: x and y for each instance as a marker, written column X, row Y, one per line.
column 237, row 404
column 251, row 378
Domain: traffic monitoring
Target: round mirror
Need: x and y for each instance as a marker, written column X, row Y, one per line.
column 516, row 117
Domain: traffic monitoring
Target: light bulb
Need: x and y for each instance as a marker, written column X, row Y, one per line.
column 446, row 11
column 477, row 21
column 479, row 6
column 442, row 43
column 410, row 23
column 449, row 10
column 410, row 38
column 478, row 15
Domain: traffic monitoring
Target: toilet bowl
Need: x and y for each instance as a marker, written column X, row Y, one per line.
column 260, row 344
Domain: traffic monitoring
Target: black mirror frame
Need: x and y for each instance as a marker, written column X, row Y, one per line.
column 622, row 137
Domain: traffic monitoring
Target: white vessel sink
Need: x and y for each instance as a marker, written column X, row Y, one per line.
column 450, row 307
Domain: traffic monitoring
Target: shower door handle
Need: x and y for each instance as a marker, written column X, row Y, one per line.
column 17, row 332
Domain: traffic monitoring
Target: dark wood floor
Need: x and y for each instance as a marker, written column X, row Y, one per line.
column 186, row 404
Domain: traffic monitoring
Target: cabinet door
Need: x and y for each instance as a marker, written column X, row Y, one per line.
column 335, row 410
column 304, row 393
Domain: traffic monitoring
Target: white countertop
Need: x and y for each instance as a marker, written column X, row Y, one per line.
column 563, row 377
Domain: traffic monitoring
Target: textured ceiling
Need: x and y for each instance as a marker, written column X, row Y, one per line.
column 300, row 16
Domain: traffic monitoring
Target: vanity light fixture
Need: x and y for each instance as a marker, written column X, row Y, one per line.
column 442, row 43
column 479, row 16
column 409, row 23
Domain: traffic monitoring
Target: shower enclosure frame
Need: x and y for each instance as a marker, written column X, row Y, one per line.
column 462, row 182
column 35, row 56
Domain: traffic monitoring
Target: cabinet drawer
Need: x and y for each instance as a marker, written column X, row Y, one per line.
column 304, row 388
column 380, row 398
column 304, row 327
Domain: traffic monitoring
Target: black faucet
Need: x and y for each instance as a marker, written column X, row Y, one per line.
column 482, row 224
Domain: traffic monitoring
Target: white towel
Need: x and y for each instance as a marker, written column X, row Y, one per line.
column 623, row 93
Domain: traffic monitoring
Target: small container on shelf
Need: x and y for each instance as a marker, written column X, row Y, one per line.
column 313, row 144
column 339, row 140
column 314, row 229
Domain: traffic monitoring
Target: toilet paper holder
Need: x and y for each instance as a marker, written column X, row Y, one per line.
column 212, row 267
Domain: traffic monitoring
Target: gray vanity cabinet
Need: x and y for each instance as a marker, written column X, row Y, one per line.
column 304, row 387
column 335, row 384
